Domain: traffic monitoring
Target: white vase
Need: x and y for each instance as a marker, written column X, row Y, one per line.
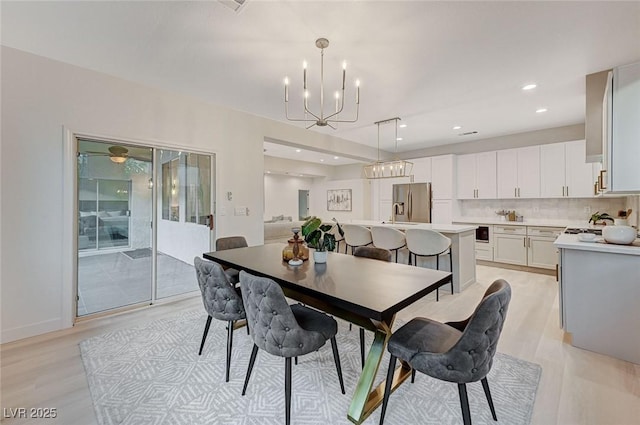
column 320, row 256
column 622, row 235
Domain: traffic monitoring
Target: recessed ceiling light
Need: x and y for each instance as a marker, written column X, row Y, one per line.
column 322, row 160
column 336, row 157
column 398, row 138
column 541, row 110
column 529, row 86
column 402, row 126
column 298, row 150
column 457, row 127
column 268, row 172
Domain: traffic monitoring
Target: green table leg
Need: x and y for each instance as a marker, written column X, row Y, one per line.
column 364, row 400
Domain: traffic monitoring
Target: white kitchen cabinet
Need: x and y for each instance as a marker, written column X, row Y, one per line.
column 466, row 170
column 621, row 131
column 541, row 252
column 509, row 244
column 519, row 173
column 421, row 170
column 477, row 176
column 442, row 211
column 443, row 177
column 564, row 172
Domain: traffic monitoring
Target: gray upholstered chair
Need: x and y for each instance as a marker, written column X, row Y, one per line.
column 373, row 252
column 460, row 352
column 283, row 330
column 221, row 300
column 231, row 242
column 376, row 254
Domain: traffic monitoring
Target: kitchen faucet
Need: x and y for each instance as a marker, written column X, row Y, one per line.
column 393, row 211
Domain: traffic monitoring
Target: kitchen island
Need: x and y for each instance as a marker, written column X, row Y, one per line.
column 463, row 240
column 599, row 293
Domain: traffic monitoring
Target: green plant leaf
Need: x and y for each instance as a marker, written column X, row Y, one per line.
column 310, row 226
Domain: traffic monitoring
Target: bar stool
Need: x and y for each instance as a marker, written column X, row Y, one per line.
column 355, row 236
column 388, row 238
column 429, row 243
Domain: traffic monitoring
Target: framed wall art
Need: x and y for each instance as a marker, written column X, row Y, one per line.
column 339, row 200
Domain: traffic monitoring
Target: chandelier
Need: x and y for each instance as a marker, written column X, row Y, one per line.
column 387, row 169
column 320, row 119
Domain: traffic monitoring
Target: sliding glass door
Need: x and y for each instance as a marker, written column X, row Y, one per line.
column 125, row 256
column 185, row 213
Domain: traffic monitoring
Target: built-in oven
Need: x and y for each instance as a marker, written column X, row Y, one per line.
column 482, row 234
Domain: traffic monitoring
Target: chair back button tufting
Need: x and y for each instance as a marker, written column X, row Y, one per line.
column 449, row 367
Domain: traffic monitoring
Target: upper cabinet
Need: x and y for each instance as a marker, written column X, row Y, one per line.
column 564, row 172
column 442, row 176
column 621, row 131
column 519, row 173
column 477, row 176
column 421, row 170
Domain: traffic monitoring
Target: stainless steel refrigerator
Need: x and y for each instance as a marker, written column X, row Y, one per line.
column 412, row 202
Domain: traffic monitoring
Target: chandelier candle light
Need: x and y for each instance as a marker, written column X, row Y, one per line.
column 321, row 120
column 387, row 169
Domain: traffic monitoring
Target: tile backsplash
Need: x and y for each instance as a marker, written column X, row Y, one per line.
column 569, row 209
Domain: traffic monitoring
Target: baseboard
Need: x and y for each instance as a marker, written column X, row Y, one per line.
column 14, row 334
column 516, row 267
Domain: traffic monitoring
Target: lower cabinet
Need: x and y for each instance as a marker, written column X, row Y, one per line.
column 540, row 249
column 510, row 248
column 526, row 246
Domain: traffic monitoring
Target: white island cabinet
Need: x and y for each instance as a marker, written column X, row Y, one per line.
column 463, row 238
column 600, row 296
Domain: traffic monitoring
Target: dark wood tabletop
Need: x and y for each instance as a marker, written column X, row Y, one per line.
column 368, row 288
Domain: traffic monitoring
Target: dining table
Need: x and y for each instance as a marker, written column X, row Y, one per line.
column 363, row 291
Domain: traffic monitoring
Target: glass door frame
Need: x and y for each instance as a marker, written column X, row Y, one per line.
column 71, row 144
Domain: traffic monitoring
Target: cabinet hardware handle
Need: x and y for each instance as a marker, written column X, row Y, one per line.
column 562, row 190
column 524, row 242
column 518, row 192
column 567, row 190
column 601, row 180
column 557, row 274
column 595, row 188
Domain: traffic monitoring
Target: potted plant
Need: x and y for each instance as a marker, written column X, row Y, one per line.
column 317, row 236
column 598, row 218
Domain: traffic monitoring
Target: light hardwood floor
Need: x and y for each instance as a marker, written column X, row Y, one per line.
column 577, row 386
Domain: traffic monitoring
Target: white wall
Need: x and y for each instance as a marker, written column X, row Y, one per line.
column 41, row 98
column 281, row 195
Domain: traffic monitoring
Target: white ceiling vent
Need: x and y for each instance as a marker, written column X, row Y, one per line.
column 235, row 5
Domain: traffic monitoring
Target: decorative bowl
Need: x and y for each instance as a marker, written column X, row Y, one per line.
column 587, row 237
column 622, row 235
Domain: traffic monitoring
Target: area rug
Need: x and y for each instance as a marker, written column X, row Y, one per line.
column 152, row 374
column 138, row 253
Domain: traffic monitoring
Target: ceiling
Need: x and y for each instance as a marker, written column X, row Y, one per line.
column 434, row 64
column 288, row 152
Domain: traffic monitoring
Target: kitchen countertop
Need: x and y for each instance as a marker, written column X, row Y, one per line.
column 442, row 228
column 542, row 222
column 567, row 241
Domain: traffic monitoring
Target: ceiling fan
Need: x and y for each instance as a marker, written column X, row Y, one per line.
column 117, row 154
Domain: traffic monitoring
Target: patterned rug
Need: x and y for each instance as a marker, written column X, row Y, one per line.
column 152, row 374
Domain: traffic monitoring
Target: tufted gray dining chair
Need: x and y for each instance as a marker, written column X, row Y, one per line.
column 283, row 330
column 231, row 242
column 221, row 301
column 460, row 352
column 375, row 253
